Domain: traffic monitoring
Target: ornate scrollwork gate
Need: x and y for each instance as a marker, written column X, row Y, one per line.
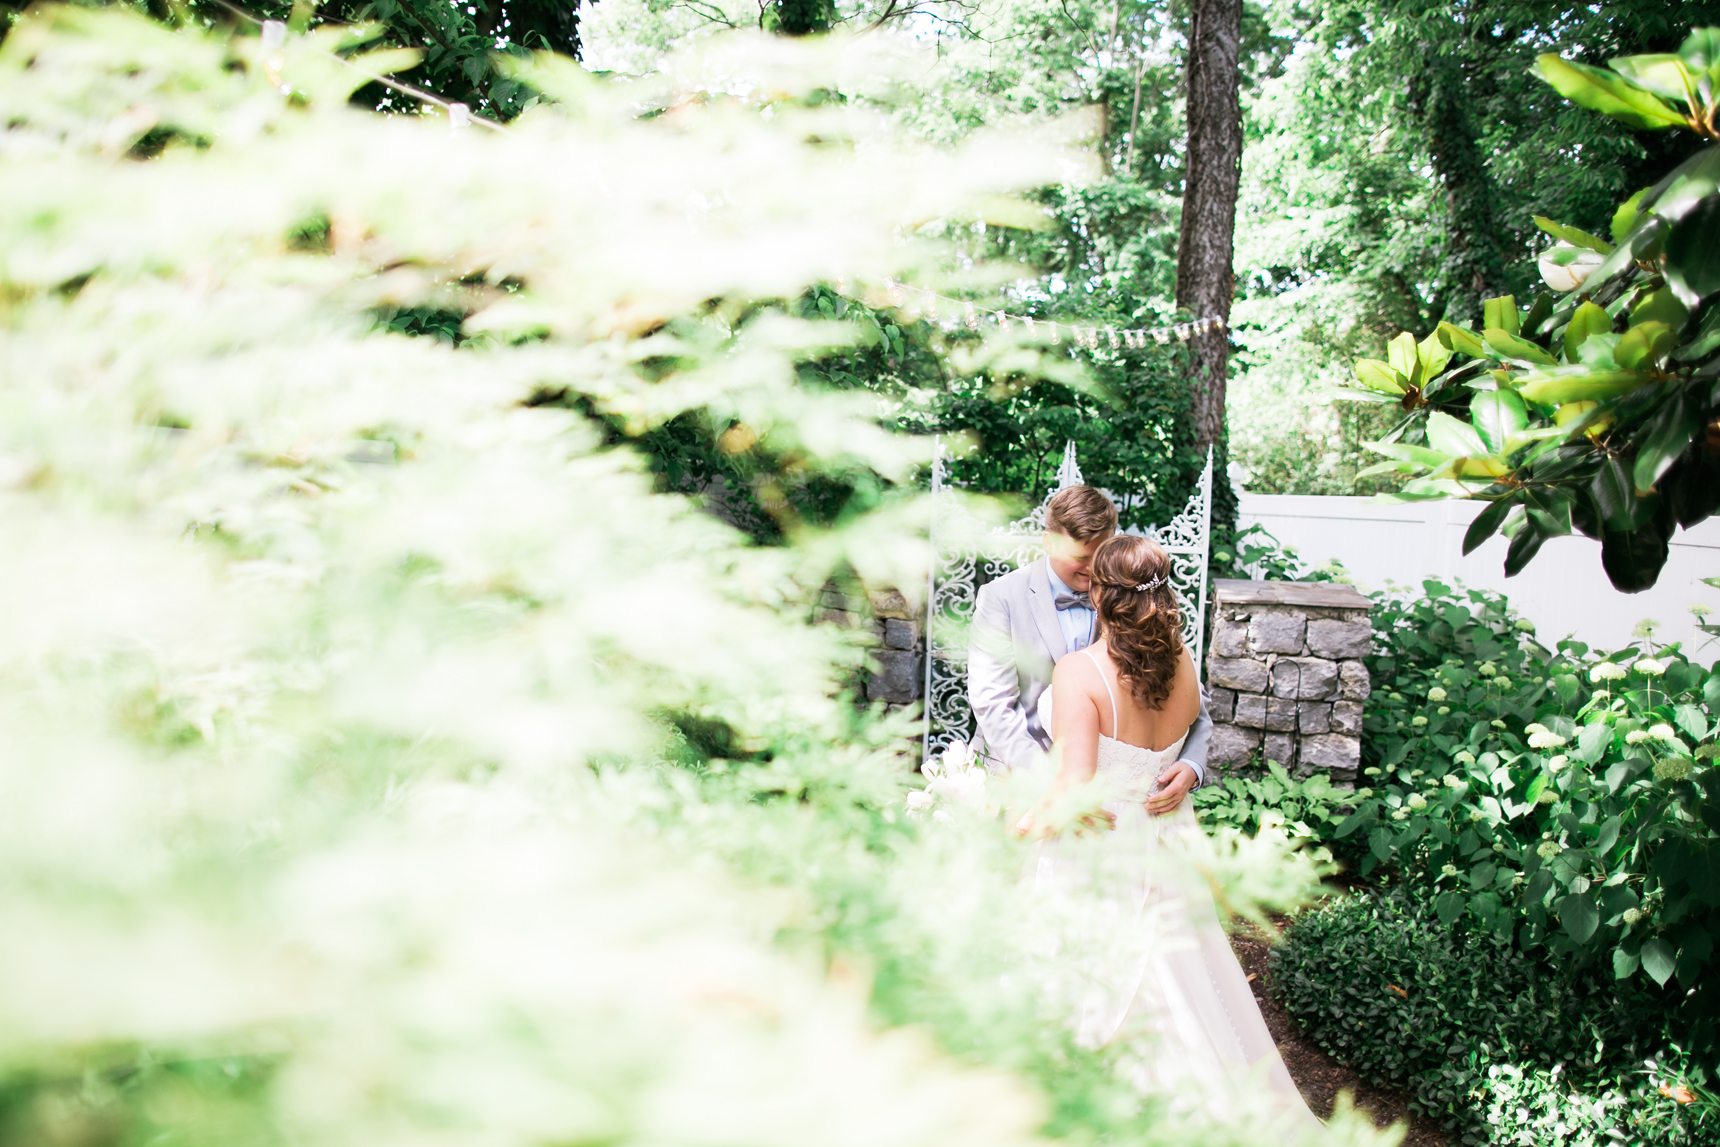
column 966, row 553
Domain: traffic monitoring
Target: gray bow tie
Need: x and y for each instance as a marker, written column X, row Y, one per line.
column 1073, row 601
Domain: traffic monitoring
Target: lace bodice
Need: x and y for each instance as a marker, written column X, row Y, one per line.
column 1131, row 770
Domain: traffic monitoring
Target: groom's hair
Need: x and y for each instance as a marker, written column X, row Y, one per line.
column 1082, row 513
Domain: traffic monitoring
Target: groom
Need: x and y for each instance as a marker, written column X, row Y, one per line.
column 1026, row 620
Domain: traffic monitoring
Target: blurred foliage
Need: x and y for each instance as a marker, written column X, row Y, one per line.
column 389, row 759
column 1502, row 1047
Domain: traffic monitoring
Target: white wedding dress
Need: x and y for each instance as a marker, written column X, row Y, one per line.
column 1159, row 978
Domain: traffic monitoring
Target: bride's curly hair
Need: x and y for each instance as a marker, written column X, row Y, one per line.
column 1138, row 615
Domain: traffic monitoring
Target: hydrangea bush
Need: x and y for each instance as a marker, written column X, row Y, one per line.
column 1557, row 797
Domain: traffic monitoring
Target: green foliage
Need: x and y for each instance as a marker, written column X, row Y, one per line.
column 1308, row 808
column 1559, row 799
column 389, row 759
column 1504, row 1047
column 1592, row 413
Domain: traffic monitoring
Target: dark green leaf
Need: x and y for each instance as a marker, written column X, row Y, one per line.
column 1525, row 544
column 1578, row 915
column 1606, row 92
column 1657, row 960
column 1624, row 964
column 1486, row 523
column 1633, row 560
column 1449, row 905
column 1692, row 256
column 1496, row 415
column 1667, row 436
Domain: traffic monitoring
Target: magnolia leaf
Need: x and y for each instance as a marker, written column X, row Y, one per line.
column 1707, row 338
column 1692, row 254
column 1400, row 352
column 1667, row 75
column 1678, row 194
column 1574, row 384
column 1624, row 219
column 1486, row 524
column 1513, row 349
column 1434, row 356
column 1380, row 376
column 1657, row 960
column 1606, row 92
column 1423, row 490
column 1588, row 320
column 1390, row 467
column 1451, row 437
column 1357, row 394
column 1461, row 340
column 1496, row 416
column 1645, row 347
column 1501, row 314
column 1701, row 50
column 1667, row 437
column 1597, row 350
column 1404, row 452
column 1573, row 236
column 1659, row 306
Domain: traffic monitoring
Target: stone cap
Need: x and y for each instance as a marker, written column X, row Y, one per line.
column 1320, row 594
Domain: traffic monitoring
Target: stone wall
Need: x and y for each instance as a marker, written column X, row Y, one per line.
column 899, row 654
column 1286, row 677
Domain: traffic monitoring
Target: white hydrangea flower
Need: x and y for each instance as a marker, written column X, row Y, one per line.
column 1633, row 916
column 1502, row 681
column 1416, row 801
column 1554, row 764
column 1445, row 710
column 1649, row 667
column 1487, row 669
column 1607, row 671
column 1636, row 737
column 1400, row 814
column 1449, row 870
column 1662, row 732
column 1436, row 694
column 1453, row 781
column 1547, row 849
column 1418, row 720
column 1548, row 796
column 919, row 800
column 1465, row 757
column 1545, row 739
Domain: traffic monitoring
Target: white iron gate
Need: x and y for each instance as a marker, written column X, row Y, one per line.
column 966, row 553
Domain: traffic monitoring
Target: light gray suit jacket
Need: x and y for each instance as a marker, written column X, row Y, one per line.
column 1013, row 646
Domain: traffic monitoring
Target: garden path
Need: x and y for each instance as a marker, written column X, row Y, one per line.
column 1318, row 1076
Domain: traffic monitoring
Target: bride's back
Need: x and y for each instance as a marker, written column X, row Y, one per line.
column 1137, row 680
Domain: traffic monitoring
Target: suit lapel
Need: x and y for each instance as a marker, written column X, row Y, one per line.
column 1043, row 604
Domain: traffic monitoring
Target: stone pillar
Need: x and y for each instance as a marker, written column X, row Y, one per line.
column 1286, row 677
column 899, row 652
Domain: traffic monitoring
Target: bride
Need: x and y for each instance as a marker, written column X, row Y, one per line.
column 1120, row 710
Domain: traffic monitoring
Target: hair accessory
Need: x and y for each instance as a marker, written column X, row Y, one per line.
column 1154, row 584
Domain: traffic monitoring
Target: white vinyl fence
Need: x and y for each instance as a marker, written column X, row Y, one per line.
column 1563, row 591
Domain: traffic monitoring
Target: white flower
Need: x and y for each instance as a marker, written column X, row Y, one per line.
column 1547, row 849
column 1635, row 737
column 1449, row 870
column 1465, row 758
column 1649, row 667
column 1400, row 814
column 1502, row 681
column 1672, row 769
column 1436, row 694
column 1497, row 723
column 958, row 757
column 1395, row 696
column 1444, row 710
column 1548, row 796
column 1418, row 721
column 1662, row 732
column 1453, row 781
column 1487, row 669
column 1545, row 740
column 920, row 800
column 1633, row 916
column 1607, row 671
column 1416, row 801
column 1535, row 727
column 1701, row 611
column 942, row 816
column 1554, row 764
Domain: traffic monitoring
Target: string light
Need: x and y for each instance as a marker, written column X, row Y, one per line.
column 1088, row 338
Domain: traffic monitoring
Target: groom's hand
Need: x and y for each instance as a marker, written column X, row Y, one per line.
column 1176, row 781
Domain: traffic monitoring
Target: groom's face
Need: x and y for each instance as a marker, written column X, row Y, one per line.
column 1071, row 560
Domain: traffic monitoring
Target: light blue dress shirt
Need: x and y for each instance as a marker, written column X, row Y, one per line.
column 1075, row 622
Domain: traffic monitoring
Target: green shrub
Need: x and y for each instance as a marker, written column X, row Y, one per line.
column 1555, row 798
column 1307, row 807
column 1504, row 1046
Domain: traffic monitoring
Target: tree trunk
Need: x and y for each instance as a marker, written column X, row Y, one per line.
column 1206, row 281
column 1474, row 260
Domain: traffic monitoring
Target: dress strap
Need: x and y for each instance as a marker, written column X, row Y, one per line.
column 1089, row 652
